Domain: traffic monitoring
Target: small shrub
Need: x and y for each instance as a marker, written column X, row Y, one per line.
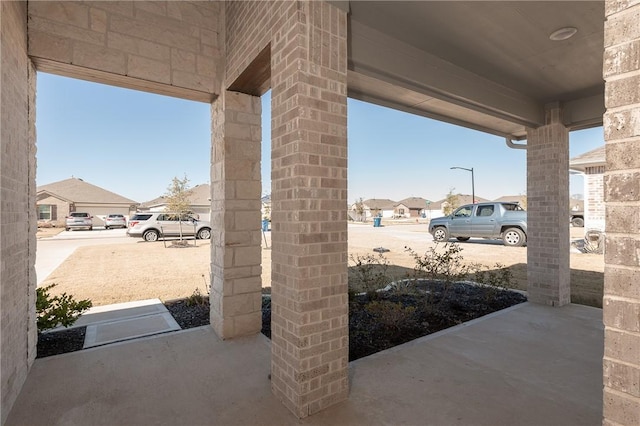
column 441, row 265
column 53, row 311
column 493, row 281
column 197, row 298
column 368, row 274
column 391, row 315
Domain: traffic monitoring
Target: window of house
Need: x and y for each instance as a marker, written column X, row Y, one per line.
column 46, row 212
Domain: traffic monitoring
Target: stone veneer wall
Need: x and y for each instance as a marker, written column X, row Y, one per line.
column 17, row 196
column 166, row 47
column 236, row 282
column 621, row 305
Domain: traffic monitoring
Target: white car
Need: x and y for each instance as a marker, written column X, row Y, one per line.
column 115, row 221
column 153, row 225
column 78, row 220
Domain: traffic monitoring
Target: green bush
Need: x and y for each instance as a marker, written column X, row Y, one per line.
column 53, row 311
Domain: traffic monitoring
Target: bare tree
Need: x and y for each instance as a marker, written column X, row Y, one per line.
column 177, row 198
column 359, row 209
column 451, row 202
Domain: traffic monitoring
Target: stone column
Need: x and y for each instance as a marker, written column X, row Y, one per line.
column 548, row 211
column 236, row 285
column 621, row 304
column 17, row 230
column 309, row 323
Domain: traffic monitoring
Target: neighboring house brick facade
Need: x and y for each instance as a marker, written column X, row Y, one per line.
column 592, row 165
column 56, row 200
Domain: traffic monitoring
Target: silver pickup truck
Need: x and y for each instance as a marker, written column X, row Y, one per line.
column 506, row 221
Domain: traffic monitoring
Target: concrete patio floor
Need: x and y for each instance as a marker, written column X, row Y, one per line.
column 527, row 365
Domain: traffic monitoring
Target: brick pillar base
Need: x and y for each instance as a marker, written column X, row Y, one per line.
column 236, row 284
column 548, row 211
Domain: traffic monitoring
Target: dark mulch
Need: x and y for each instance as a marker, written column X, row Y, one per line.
column 60, row 342
column 189, row 315
column 377, row 321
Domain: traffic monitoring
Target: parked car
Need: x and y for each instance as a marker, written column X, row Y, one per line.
column 153, row 225
column 505, row 221
column 115, row 221
column 577, row 218
column 78, row 220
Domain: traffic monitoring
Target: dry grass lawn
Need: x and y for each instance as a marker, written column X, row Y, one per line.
column 124, row 272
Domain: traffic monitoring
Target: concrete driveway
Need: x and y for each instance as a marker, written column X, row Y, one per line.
column 51, row 252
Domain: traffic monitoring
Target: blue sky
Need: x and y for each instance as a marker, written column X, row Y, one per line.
column 133, row 143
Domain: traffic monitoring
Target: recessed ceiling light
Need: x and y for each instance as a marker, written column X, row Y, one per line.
column 563, row 33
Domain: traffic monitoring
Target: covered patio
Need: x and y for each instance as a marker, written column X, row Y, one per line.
column 511, row 367
column 528, row 71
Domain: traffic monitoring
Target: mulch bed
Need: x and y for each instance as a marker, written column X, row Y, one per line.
column 377, row 321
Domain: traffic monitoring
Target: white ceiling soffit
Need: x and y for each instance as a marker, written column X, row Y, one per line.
column 485, row 65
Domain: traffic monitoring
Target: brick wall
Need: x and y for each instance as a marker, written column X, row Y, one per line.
column 17, row 254
column 166, row 47
column 309, row 194
column 594, row 212
column 621, row 305
column 547, row 211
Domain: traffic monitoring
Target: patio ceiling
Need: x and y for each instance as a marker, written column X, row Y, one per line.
column 490, row 66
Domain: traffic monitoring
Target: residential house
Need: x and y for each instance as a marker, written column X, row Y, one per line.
column 56, row 200
column 379, row 207
column 592, row 165
column 411, row 207
column 199, row 202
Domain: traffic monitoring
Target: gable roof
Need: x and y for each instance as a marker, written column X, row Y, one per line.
column 511, row 199
column 76, row 190
column 379, row 203
column 462, row 200
column 414, row 202
column 595, row 157
column 200, row 196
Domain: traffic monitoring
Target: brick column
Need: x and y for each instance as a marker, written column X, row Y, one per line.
column 236, row 285
column 594, row 199
column 548, row 211
column 310, row 341
column 621, row 304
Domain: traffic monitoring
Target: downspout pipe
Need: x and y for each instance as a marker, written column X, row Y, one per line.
column 510, row 144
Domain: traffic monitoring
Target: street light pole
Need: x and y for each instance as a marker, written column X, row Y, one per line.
column 473, row 186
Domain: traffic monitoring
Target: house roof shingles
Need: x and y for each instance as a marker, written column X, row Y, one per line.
column 78, row 191
column 595, row 157
column 199, row 196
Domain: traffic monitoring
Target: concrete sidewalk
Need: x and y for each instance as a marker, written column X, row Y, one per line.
column 126, row 321
column 527, row 365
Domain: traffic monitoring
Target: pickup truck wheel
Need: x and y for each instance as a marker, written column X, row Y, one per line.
column 440, row 234
column 462, row 238
column 151, row 235
column 577, row 222
column 513, row 237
